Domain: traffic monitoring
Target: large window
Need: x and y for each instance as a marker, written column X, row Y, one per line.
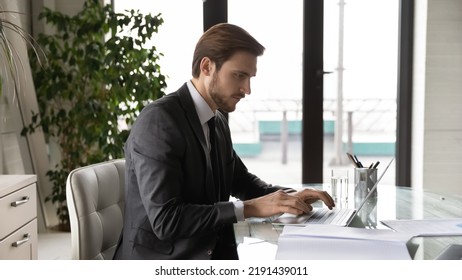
column 361, row 51
column 266, row 125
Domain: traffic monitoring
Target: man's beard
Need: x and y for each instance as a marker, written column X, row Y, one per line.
column 214, row 90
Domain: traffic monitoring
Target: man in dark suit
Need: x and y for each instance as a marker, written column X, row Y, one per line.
column 179, row 176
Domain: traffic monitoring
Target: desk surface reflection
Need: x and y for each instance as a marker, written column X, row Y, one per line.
column 258, row 238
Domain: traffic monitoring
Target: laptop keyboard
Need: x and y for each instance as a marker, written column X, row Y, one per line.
column 326, row 216
column 337, row 216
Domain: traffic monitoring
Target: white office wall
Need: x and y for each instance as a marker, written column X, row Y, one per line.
column 32, row 154
column 437, row 122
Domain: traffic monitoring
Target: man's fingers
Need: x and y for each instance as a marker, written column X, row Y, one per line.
column 298, row 203
column 291, row 203
column 277, row 203
column 311, row 196
column 327, row 199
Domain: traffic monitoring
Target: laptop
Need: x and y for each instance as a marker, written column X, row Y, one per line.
column 336, row 216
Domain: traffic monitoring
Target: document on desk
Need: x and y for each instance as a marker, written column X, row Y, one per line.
column 428, row 227
column 256, row 249
column 326, row 242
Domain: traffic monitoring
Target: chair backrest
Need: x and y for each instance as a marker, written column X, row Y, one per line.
column 95, row 198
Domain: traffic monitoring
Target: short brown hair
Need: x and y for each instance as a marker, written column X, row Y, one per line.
column 222, row 41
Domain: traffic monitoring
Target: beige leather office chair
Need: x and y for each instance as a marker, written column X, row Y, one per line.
column 95, row 198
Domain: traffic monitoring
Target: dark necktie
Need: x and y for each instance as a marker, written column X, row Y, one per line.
column 214, row 153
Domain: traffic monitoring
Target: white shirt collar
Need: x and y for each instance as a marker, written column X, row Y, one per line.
column 203, row 110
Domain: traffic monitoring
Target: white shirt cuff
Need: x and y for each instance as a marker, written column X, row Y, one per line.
column 239, row 210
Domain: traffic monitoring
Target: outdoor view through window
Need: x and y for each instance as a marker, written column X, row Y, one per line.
column 360, row 49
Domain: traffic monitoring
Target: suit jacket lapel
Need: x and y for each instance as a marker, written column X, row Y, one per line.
column 193, row 120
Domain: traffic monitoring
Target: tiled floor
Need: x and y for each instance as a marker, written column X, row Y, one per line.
column 54, row 246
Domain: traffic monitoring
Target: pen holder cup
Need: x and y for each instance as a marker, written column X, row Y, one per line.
column 364, row 181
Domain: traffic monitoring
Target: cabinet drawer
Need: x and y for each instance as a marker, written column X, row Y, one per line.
column 17, row 209
column 21, row 244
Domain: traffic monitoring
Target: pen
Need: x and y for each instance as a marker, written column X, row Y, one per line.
column 376, row 164
column 352, row 160
column 358, row 162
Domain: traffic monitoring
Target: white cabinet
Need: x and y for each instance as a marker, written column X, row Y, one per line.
column 18, row 217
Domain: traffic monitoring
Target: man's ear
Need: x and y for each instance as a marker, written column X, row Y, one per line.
column 207, row 66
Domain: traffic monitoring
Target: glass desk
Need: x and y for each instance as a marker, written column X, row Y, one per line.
column 392, row 203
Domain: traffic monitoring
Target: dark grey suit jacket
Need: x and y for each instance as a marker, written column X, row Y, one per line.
column 173, row 210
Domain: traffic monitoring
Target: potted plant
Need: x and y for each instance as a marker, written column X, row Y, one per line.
column 101, row 72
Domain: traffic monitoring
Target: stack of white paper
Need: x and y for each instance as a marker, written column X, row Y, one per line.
column 325, row 242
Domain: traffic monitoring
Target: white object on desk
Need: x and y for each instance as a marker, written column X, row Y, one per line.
column 429, row 227
column 325, row 242
column 18, row 217
column 256, row 249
